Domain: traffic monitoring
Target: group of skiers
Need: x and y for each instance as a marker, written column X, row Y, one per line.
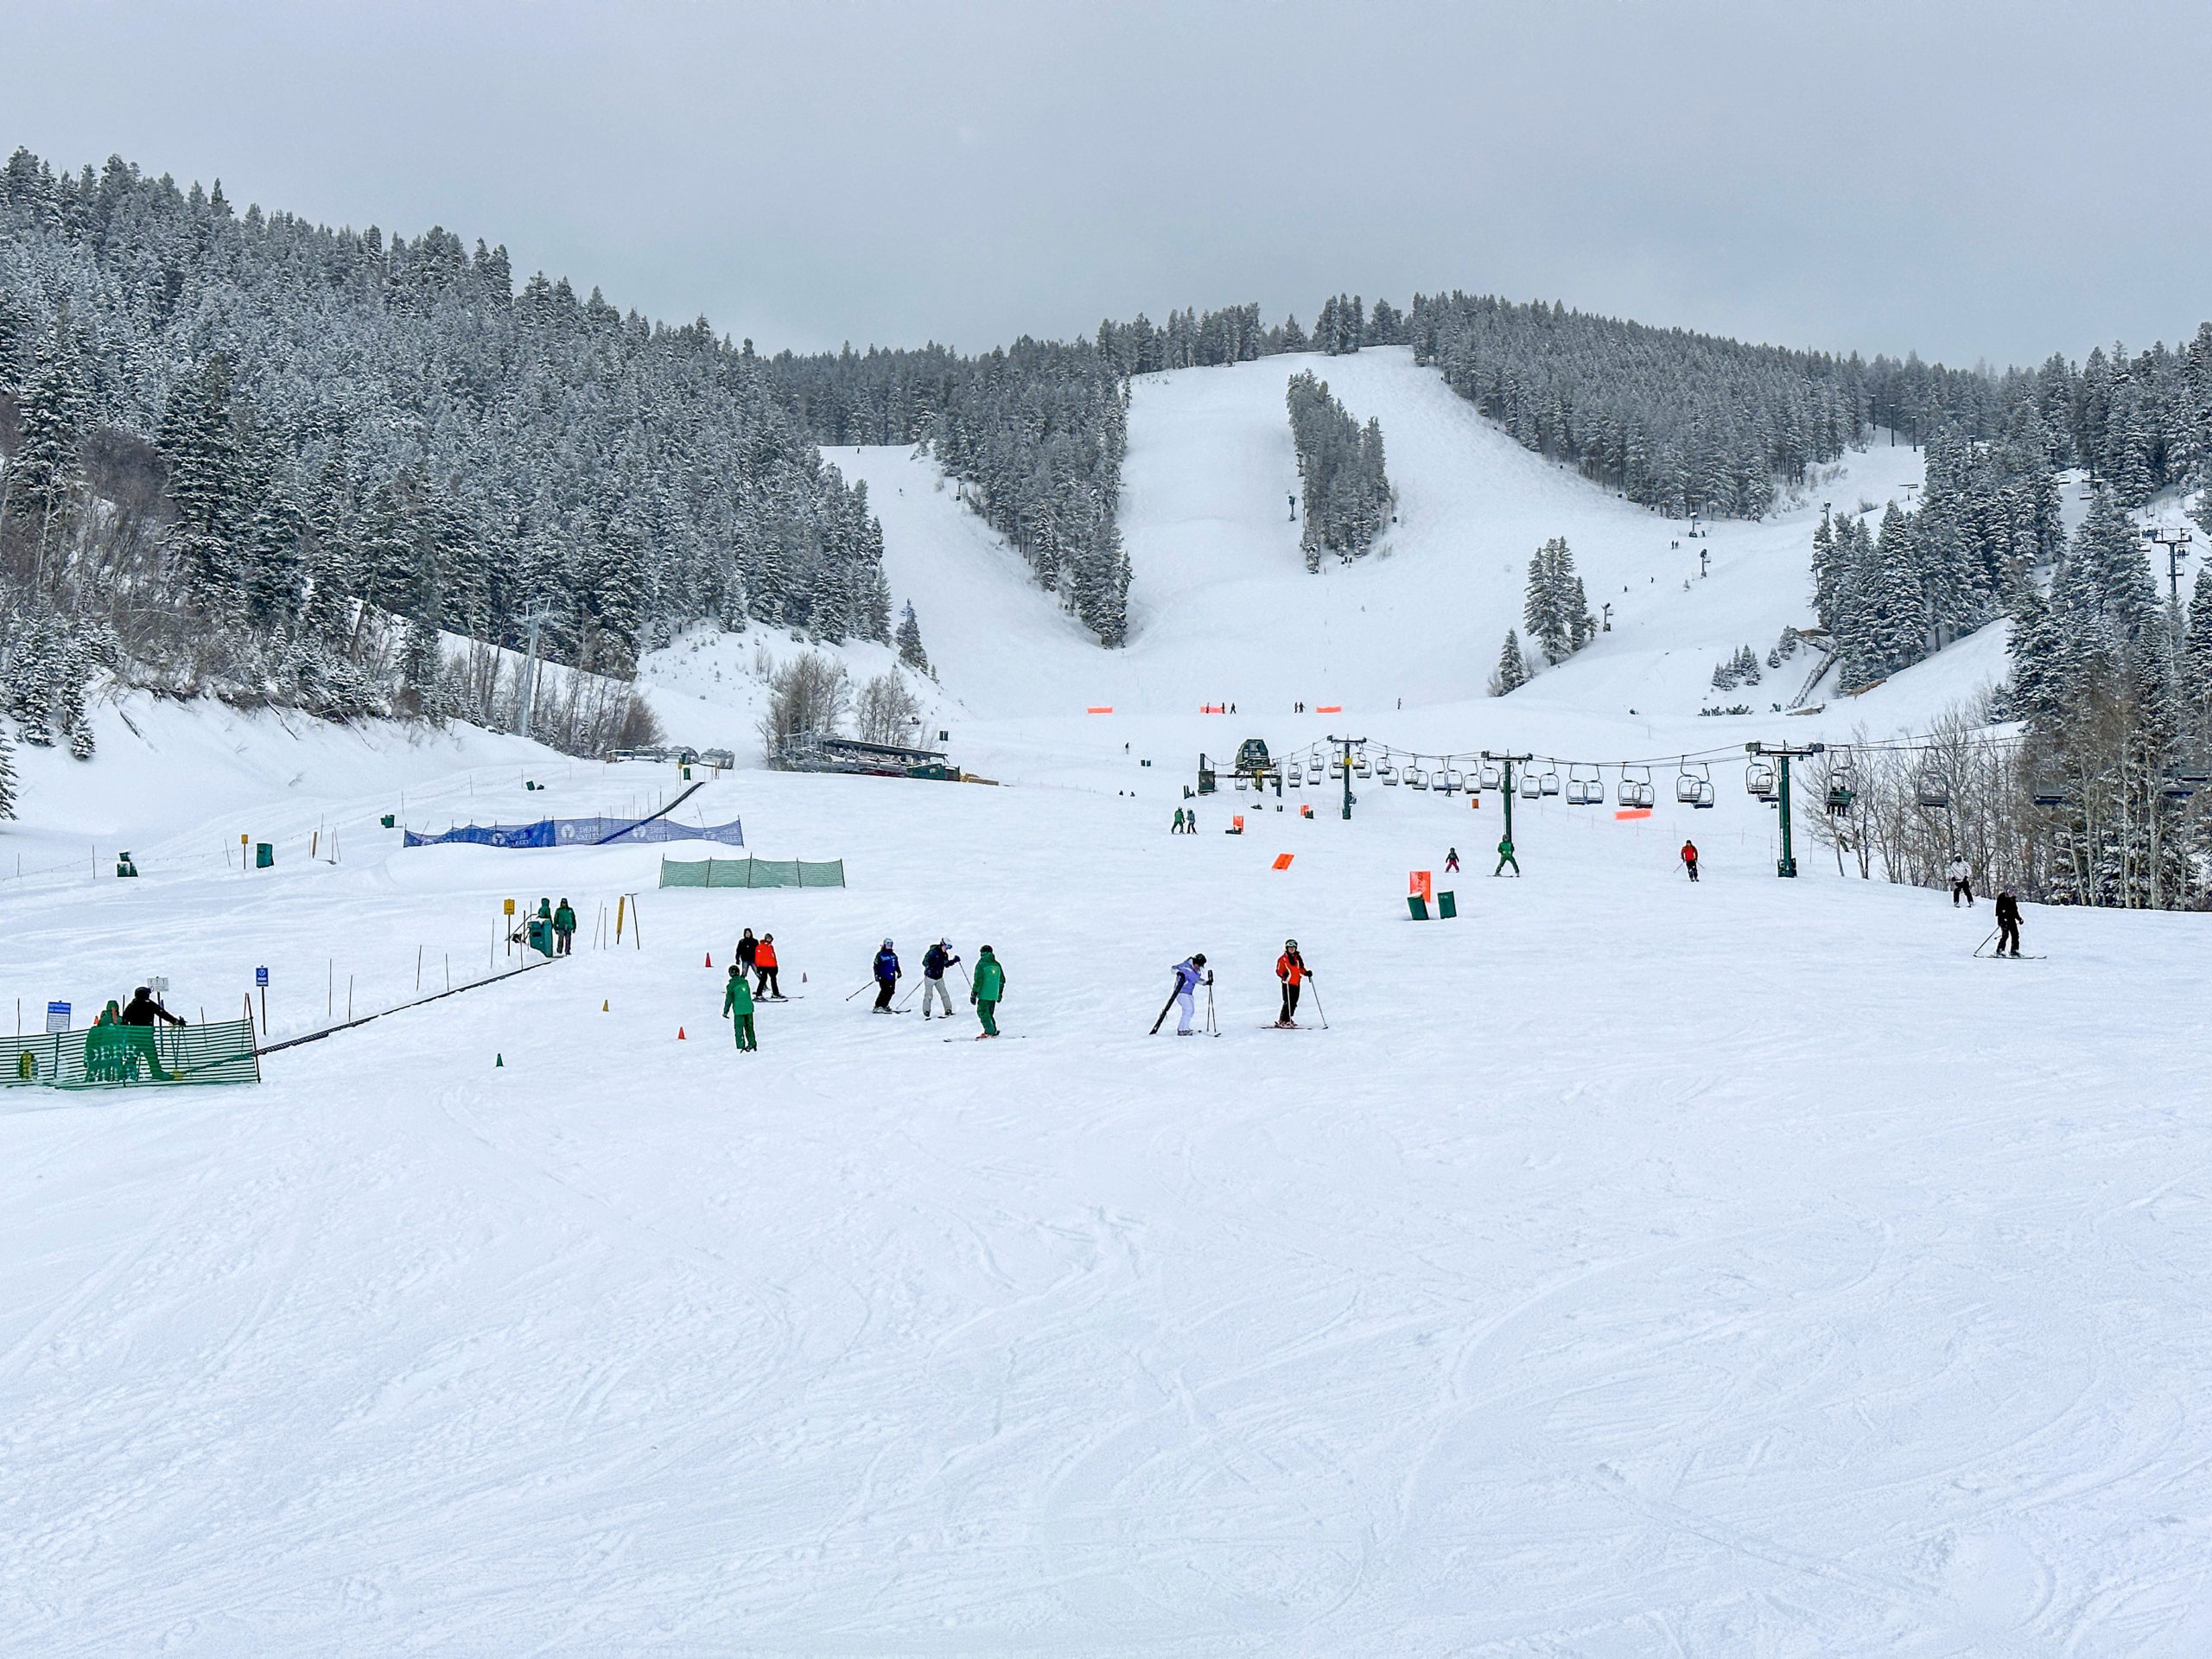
column 1187, row 822
column 986, row 985
column 1192, row 974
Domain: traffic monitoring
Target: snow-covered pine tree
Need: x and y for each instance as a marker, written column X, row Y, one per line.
column 9, row 787
column 910, row 641
column 1512, row 670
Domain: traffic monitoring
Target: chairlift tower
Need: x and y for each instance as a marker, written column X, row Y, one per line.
column 2173, row 538
column 1786, row 866
column 1348, row 743
column 540, row 614
column 1506, row 794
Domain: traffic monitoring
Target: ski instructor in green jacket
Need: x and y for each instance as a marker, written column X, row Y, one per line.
column 989, row 988
column 737, row 1005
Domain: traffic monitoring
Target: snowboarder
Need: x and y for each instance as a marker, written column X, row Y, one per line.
column 764, row 981
column 737, row 1007
column 748, row 951
column 564, row 929
column 1690, row 858
column 1961, row 874
column 2008, row 922
column 886, row 977
column 1451, row 861
column 988, row 990
column 935, row 961
column 1291, row 969
column 1506, row 856
column 1189, row 973
column 1177, row 829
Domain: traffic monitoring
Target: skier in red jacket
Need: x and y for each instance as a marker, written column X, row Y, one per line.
column 1690, row 858
column 1291, row 969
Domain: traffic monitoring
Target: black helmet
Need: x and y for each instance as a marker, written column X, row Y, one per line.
column 1198, row 958
column 1290, row 944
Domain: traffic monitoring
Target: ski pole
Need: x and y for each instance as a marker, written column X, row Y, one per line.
column 1311, row 985
column 909, row 997
column 1213, row 1029
column 1984, row 945
column 869, row 986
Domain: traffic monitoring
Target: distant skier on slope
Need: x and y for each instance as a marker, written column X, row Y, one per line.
column 1451, row 861
column 1291, row 969
column 988, row 991
column 1961, row 874
column 887, row 977
column 2008, row 922
column 1177, row 829
column 1690, row 858
column 1506, row 856
column 1189, row 973
column 935, row 961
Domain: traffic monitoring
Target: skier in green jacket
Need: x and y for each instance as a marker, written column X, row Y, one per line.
column 564, row 928
column 737, row 1004
column 1506, row 857
column 989, row 988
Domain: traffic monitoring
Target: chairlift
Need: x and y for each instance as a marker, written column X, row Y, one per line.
column 1548, row 780
column 1843, row 783
column 1293, row 776
column 1585, row 791
column 1635, row 787
column 1383, row 769
column 1759, row 779
column 1492, row 777
column 1933, row 791
column 1532, row 785
column 1314, row 771
column 1704, row 794
column 1686, row 785
column 1644, row 796
column 1454, row 781
column 1359, row 767
column 1415, row 777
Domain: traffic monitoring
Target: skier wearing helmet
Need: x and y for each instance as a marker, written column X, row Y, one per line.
column 887, row 977
column 1291, row 969
column 938, row 957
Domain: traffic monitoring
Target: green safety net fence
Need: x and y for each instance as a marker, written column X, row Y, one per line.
column 106, row 1056
column 752, row 873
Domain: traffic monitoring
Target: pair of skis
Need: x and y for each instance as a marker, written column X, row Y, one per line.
column 1212, row 1029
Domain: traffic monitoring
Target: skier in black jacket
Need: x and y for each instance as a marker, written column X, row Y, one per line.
column 2008, row 922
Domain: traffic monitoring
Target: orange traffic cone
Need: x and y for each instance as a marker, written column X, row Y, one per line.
column 679, row 1033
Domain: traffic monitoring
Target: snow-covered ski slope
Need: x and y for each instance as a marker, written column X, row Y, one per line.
column 1629, row 1268
column 1222, row 609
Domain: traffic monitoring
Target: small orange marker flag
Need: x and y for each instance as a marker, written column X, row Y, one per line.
column 1282, row 860
column 679, row 1033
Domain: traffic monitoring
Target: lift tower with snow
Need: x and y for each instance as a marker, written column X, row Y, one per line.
column 1350, row 743
column 1786, row 866
column 1506, row 794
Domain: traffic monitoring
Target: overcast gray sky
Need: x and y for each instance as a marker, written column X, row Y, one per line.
column 1967, row 179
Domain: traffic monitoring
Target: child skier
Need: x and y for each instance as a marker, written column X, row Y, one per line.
column 935, row 961
column 987, row 992
column 737, row 1007
column 1189, row 973
column 1690, row 858
column 887, row 977
column 1451, row 861
column 1291, row 969
column 2008, row 923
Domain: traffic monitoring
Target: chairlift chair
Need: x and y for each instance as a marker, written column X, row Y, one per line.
column 1759, row 779
column 1686, row 787
column 1532, row 785
column 1635, row 787
column 1385, row 770
column 1932, row 792
column 1490, row 776
column 1548, row 780
column 1704, row 794
column 1585, row 791
column 1314, row 771
column 1415, row 777
column 1360, row 768
column 1645, row 796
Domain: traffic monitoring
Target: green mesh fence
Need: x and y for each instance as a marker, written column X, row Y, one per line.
column 752, row 873
column 109, row 1055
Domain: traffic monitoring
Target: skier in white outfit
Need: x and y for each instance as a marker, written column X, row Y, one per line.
column 1189, row 973
column 1961, row 881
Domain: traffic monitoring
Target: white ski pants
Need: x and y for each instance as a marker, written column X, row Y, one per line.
column 1183, row 1004
column 935, row 987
